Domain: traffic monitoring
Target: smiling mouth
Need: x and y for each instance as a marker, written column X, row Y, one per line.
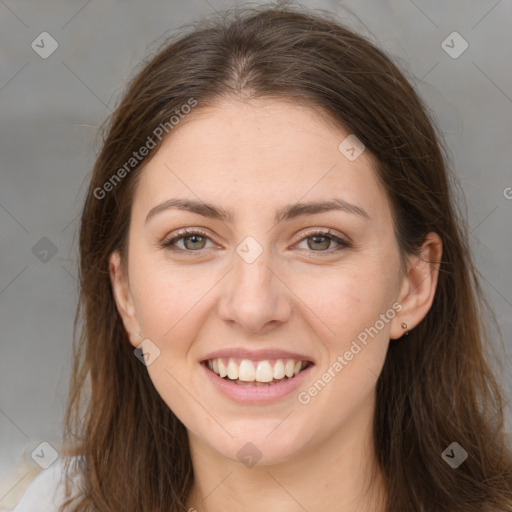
column 246, row 372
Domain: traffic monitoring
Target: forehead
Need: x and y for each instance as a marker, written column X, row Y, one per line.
column 258, row 154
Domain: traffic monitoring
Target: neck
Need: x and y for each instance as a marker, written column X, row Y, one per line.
column 339, row 473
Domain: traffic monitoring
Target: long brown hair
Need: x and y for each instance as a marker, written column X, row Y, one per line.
column 436, row 386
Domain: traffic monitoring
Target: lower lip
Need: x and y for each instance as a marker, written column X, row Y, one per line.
column 256, row 394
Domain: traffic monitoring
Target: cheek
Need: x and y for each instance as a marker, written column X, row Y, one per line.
column 168, row 296
column 171, row 307
column 351, row 311
column 354, row 317
column 345, row 301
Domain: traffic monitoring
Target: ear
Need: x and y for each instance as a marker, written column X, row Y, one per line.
column 418, row 286
column 124, row 299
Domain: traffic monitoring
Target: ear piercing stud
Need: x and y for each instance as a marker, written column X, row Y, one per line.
column 404, row 325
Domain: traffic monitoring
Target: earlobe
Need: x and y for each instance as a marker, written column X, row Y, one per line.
column 123, row 298
column 418, row 286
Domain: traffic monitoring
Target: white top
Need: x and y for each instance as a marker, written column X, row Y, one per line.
column 47, row 490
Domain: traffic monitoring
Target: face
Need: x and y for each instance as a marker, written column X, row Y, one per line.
column 303, row 287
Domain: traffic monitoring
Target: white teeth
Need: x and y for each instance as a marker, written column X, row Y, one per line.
column 232, row 370
column 279, row 369
column 289, row 368
column 256, row 371
column 246, row 372
column 222, row 368
column 264, row 372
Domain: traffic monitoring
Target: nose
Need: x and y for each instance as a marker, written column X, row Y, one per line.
column 255, row 297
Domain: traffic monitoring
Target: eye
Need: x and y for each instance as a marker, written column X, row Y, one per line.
column 321, row 240
column 194, row 240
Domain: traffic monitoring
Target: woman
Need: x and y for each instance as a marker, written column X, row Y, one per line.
column 279, row 309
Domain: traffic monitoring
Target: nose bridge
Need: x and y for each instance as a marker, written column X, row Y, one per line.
column 254, row 296
column 252, row 277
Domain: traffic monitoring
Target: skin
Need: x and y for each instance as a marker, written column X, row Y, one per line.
column 254, row 158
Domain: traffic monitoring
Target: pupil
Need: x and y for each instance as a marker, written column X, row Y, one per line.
column 194, row 238
column 315, row 239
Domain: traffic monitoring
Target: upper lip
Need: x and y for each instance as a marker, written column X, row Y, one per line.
column 256, row 355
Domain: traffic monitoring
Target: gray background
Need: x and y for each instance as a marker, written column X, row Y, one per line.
column 51, row 109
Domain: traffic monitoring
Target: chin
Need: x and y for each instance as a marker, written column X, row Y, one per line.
column 259, row 443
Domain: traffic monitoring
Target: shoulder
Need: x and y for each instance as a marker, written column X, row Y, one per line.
column 47, row 490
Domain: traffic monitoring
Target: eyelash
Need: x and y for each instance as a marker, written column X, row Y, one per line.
column 167, row 244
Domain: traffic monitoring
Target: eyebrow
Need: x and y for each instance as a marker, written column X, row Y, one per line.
column 286, row 213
